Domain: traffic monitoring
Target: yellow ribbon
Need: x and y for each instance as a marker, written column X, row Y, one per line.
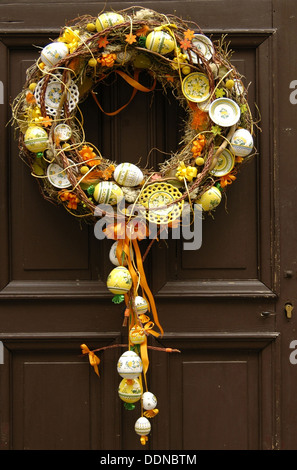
column 151, row 413
column 93, row 359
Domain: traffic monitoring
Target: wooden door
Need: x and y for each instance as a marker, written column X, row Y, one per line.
column 223, row 306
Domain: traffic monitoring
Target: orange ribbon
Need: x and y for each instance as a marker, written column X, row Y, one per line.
column 93, row 359
column 136, row 86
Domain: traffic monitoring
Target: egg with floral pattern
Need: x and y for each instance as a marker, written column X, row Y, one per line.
column 142, row 426
column 149, row 401
column 129, row 365
column 119, row 281
column 130, row 390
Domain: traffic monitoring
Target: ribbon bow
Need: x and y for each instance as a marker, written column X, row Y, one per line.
column 93, row 359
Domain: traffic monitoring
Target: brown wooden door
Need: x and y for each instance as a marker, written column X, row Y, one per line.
column 233, row 384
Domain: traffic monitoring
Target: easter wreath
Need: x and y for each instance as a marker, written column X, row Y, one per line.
column 217, row 140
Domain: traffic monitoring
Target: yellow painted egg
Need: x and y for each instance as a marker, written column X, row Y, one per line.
column 36, row 139
column 113, row 256
column 141, row 304
column 127, row 174
column 107, row 192
column 119, row 280
column 108, row 19
column 129, row 365
column 210, row 199
column 130, row 390
column 160, row 41
column 53, row 53
column 242, row 142
column 142, row 426
column 149, row 401
column 137, row 335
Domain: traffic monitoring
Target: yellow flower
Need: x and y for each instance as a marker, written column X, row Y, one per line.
column 188, row 172
column 71, row 39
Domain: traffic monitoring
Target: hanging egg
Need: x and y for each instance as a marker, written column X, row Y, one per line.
column 137, row 335
column 141, row 304
column 129, row 365
column 107, row 192
column 149, row 401
column 242, row 142
column 160, row 41
column 53, row 53
column 119, row 280
column 36, row 139
column 127, row 174
column 130, row 390
column 108, row 19
column 113, row 255
column 142, row 426
column 210, row 199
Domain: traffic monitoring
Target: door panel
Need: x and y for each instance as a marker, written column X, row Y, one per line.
column 222, row 390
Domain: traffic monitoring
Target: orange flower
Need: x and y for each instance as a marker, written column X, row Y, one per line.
column 107, row 60
column 142, row 31
column 47, row 121
column 185, row 44
column 130, row 38
column 89, row 156
column 169, row 78
column 200, row 119
column 189, row 34
column 30, row 98
column 198, row 146
column 239, row 159
column 70, row 198
column 103, row 42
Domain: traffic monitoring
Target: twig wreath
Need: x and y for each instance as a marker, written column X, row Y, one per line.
column 216, row 142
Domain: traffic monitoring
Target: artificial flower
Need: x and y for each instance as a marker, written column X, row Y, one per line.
column 89, row 156
column 142, row 31
column 70, row 198
column 107, row 60
column 30, row 98
column 47, row 121
column 71, row 38
column 198, row 146
column 130, row 38
column 187, row 172
column 103, row 42
column 185, row 44
column 200, row 119
column 189, row 34
column 219, row 92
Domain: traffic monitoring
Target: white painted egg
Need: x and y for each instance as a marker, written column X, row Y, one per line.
column 129, row 365
column 141, row 304
column 142, row 426
column 242, row 142
column 127, row 174
column 53, row 53
column 149, row 401
column 113, row 256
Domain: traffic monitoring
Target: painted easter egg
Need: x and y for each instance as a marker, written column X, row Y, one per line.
column 141, row 304
column 149, row 401
column 130, row 390
column 160, row 41
column 119, row 280
column 242, row 142
column 108, row 19
column 127, row 174
column 113, row 256
column 210, row 199
column 142, row 426
column 36, row 139
column 137, row 335
column 107, row 192
column 129, row 365
column 53, row 53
